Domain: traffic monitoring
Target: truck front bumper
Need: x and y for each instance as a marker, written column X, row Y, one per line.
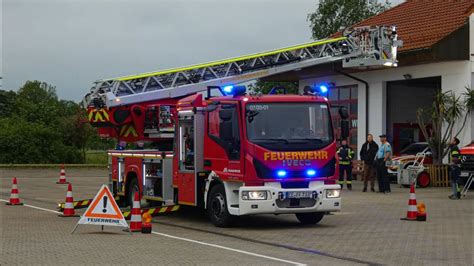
column 278, row 200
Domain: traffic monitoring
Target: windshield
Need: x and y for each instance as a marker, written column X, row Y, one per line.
column 414, row 148
column 304, row 126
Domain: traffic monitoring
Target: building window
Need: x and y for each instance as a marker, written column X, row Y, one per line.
column 345, row 96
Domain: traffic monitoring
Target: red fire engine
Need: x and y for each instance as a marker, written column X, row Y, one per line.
column 211, row 144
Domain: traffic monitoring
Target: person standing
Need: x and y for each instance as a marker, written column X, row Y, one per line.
column 384, row 154
column 345, row 154
column 454, row 168
column 367, row 155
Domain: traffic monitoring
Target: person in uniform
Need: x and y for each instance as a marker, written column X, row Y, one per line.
column 345, row 154
column 383, row 155
column 454, row 168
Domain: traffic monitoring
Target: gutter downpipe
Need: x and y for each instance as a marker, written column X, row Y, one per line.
column 366, row 96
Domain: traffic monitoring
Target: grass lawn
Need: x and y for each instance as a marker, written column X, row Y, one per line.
column 96, row 157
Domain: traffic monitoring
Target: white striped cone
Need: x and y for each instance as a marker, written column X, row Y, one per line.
column 69, row 204
column 412, row 210
column 62, row 176
column 14, row 198
column 136, row 219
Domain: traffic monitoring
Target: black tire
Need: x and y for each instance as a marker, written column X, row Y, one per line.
column 131, row 189
column 310, row 217
column 217, row 207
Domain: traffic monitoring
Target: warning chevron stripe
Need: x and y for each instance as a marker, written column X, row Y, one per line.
column 77, row 204
column 152, row 211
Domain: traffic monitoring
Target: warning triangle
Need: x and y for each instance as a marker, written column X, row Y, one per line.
column 103, row 210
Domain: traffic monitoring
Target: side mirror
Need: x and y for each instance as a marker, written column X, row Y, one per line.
column 344, row 129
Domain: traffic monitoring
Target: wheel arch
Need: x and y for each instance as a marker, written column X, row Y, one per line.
column 212, row 180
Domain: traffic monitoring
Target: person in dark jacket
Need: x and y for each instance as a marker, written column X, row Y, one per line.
column 367, row 155
column 454, row 168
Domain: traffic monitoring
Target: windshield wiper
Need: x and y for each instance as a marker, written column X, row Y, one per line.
column 309, row 139
column 272, row 140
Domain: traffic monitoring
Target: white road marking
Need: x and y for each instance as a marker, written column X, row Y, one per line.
column 192, row 241
column 35, row 207
column 227, row 248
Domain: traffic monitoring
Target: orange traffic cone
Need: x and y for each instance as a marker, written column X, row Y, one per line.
column 412, row 209
column 136, row 219
column 69, row 205
column 62, row 176
column 14, row 198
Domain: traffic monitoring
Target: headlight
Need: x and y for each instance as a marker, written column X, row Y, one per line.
column 333, row 193
column 254, row 195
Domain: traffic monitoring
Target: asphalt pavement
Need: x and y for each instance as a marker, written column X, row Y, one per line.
column 368, row 230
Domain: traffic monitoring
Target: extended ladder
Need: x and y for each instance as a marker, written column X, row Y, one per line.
column 360, row 47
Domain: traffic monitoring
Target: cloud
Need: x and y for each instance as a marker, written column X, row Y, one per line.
column 70, row 44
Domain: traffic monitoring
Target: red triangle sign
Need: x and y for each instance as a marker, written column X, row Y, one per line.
column 103, row 210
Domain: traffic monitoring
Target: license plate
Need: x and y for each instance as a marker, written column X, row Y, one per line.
column 298, row 194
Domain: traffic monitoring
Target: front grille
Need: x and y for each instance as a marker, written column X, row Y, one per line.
column 264, row 172
column 303, row 184
column 467, row 163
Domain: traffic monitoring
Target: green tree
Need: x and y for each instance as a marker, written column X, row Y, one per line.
column 446, row 111
column 331, row 15
column 7, row 102
column 265, row 87
column 37, row 102
column 37, row 127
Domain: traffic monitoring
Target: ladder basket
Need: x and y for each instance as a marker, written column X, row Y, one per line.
column 439, row 175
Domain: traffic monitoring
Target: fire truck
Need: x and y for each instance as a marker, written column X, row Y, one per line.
column 203, row 140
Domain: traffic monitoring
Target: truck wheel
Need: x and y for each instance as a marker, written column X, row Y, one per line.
column 217, row 207
column 310, row 217
column 423, row 179
column 132, row 188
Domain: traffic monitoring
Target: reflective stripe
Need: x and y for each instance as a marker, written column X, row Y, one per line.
column 136, row 218
column 14, row 196
column 69, row 194
column 14, row 186
column 412, row 208
column 349, row 182
column 68, row 205
column 225, row 61
column 340, row 182
column 136, row 204
column 412, row 196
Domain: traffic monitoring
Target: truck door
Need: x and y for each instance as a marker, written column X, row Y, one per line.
column 190, row 152
column 223, row 154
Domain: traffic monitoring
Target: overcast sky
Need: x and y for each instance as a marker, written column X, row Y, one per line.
column 71, row 43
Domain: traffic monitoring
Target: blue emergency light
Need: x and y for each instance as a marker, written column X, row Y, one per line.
column 281, row 173
column 323, row 89
column 228, row 89
column 310, row 172
column 234, row 90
